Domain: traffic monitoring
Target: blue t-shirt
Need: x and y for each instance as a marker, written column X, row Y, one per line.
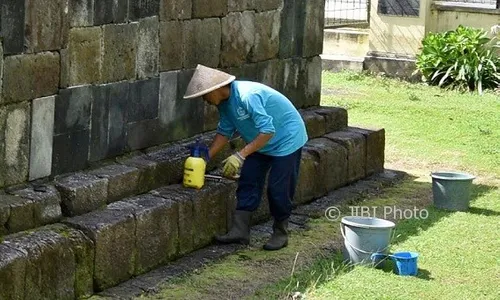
column 254, row 108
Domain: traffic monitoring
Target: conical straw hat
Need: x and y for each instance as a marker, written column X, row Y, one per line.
column 205, row 80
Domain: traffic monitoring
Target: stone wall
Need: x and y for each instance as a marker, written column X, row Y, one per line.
column 86, row 80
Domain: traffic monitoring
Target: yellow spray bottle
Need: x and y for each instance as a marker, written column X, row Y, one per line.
column 195, row 166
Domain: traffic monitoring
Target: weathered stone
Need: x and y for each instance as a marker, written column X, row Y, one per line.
column 82, row 193
column 210, row 117
column 73, row 110
column 356, row 152
column 143, row 134
column 262, row 5
column 313, row 28
column 147, row 171
column 171, row 53
column 291, row 77
column 209, row 8
column 170, row 164
column 240, row 5
column 267, row 29
column 47, row 25
column 99, row 123
column 123, row 180
column 315, row 123
column 143, row 100
column 291, row 15
column 65, row 65
column 271, row 73
column 308, row 185
column 249, row 71
column 139, row 9
column 112, row 231
column 110, row 11
column 156, row 231
column 81, row 13
column 70, row 152
column 15, row 132
column 1, row 63
column 30, row 76
column 12, row 14
column 46, row 203
column 175, row 9
column 335, row 117
column 201, row 42
column 16, row 214
column 238, row 37
column 120, row 52
column 148, row 47
column 84, row 55
column 310, row 82
column 375, row 148
column 42, row 130
column 13, row 272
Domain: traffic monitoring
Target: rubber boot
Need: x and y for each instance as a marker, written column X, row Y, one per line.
column 279, row 238
column 240, row 230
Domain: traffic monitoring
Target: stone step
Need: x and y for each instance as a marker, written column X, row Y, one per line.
column 339, row 63
column 88, row 253
column 350, row 42
column 37, row 204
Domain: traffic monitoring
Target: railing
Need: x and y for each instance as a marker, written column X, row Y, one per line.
column 340, row 13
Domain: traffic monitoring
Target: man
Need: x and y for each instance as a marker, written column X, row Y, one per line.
column 274, row 133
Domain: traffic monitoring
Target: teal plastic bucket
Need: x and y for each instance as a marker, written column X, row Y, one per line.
column 405, row 263
column 364, row 236
column 451, row 190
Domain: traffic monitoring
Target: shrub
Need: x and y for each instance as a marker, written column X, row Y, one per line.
column 465, row 59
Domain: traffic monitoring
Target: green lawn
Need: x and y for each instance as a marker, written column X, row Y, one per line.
column 426, row 129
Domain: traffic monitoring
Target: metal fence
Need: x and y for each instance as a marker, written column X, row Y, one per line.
column 476, row 3
column 346, row 12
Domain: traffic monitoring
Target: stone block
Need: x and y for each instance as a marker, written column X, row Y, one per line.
column 291, row 77
column 45, row 201
column 309, row 83
column 16, row 214
column 70, row 152
column 209, row 8
column 120, row 52
column 148, row 47
column 42, row 130
column 123, row 181
column 12, row 16
column 240, row 5
column 84, row 56
column 99, row 123
column 110, row 11
column 82, row 193
column 170, row 164
column 308, row 185
column 238, row 38
column 356, row 152
column 73, row 110
column 315, row 123
column 156, row 231
column 13, row 272
column 314, row 22
column 210, row 117
column 30, row 76
column 15, row 135
column 291, row 15
column 175, row 9
column 171, row 54
column 267, row 29
column 143, row 100
column 335, row 117
column 201, row 42
column 271, row 73
column 139, row 9
column 59, row 262
column 81, row 13
column 112, row 231
column 1, row 64
column 263, row 5
column 147, row 171
column 143, row 134
column 375, row 148
column 47, row 25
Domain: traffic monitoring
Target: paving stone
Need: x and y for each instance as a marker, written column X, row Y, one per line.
column 70, row 152
column 16, row 214
column 147, row 171
column 143, row 134
column 267, row 28
column 47, row 25
column 13, row 272
column 201, row 42
column 84, row 56
column 123, row 180
column 209, row 8
column 139, row 9
column 313, row 28
column 356, row 152
column 171, row 54
column 42, row 130
column 335, row 117
column 143, row 100
column 82, row 193
column 110, row 11
column 73, row 110
column 148, row 47
column 112, row 230
column 12, row 16
column 15, row 132
column 30, row 76
column 238, row 38
column 120, row 52
column 175, row 9
column 375, row 148
column 315, row 123
column 81, row 13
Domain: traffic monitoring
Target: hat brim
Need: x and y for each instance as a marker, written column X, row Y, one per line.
column 213, row 88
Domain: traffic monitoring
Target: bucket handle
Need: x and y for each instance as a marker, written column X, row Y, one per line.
column 362, row 251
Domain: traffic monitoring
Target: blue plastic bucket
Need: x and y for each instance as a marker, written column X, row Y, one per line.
column 451, row 190
column 405, row 263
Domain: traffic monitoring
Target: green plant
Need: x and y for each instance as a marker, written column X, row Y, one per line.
column 465, row 59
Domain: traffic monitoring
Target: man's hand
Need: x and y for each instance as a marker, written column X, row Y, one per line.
column 232, row 165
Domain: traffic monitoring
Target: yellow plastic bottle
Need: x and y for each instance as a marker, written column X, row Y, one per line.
column 195, row 167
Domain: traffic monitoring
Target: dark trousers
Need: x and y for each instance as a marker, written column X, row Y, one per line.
column 283, row 175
